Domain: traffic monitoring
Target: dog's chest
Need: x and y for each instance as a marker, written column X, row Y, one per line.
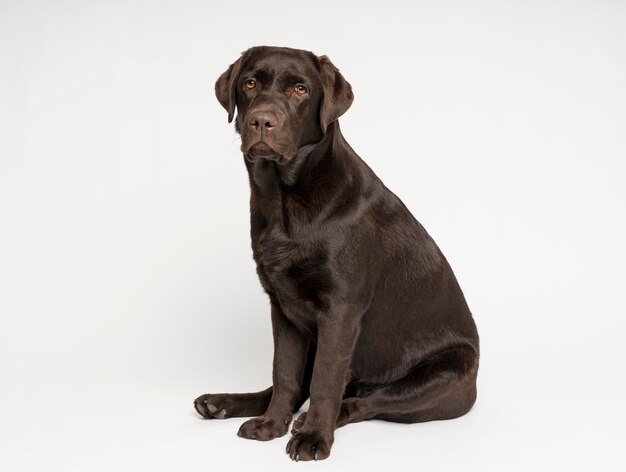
column 295, row 271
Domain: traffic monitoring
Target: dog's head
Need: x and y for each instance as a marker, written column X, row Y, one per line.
column 285, row 99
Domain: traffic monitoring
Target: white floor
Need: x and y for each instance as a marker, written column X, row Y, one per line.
column 515, row 425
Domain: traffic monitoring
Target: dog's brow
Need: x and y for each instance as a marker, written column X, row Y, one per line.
column 293, row 79
column 262, row 75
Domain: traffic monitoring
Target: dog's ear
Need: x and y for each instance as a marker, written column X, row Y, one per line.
column 225, row 87
column 338, row 94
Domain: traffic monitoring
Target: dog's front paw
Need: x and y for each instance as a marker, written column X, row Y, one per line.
column 307, row 446
column 263, row 428
column 212, row 406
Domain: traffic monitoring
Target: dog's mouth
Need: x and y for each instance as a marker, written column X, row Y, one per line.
column 262, row 150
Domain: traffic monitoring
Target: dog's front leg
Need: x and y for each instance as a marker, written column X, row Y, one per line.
column 290, row 351
column 337, row 331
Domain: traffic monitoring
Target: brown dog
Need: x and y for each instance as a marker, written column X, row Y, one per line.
column 368, row 318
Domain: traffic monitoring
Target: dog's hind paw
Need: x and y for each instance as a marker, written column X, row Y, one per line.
column 210, row 406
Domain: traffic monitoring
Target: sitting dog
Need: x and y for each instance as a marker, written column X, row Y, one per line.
column 368, row 319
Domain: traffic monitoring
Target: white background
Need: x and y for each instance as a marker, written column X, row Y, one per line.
column 127, row 286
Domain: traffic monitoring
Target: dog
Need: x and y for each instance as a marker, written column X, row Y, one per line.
column 368, row 319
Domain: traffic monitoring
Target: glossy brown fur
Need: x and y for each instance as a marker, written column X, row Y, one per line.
column 368, row 318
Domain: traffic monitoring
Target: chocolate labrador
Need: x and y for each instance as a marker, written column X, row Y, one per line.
column 368, row 319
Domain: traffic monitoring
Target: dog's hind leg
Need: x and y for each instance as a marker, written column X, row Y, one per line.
column 441, row 387
column 271, row 409
column 229, row 405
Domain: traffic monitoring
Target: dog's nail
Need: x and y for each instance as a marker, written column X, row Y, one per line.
column 221, row 414
column 297, row 457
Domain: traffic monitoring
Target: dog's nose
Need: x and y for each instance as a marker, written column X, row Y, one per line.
column 263, row 121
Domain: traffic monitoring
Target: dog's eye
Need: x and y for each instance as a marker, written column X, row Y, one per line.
column 249, row 84
column 301, row 89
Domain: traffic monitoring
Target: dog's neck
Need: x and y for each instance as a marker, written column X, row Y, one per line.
column 299, row 174
column 308, row 185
